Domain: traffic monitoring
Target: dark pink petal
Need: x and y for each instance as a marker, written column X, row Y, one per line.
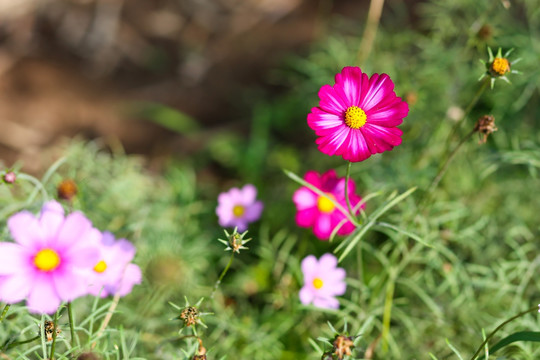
column 379, row 87
column 304, row 198
column 331, row 102
column 25, row 229
column 43, row 298
column 357, row 147
column 332, row 143
column 323, row 123
column 306, row 218
column 348, row 85
column 381, row 138
column 13, row 258
column 388, row 116
column 346, row 228
column 323, row 227
column 313, row 178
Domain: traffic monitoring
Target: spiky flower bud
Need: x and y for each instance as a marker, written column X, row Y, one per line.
column 343, row 345
column 49, row 330
column 498, row 66
column 235, row 241
column 190, row 315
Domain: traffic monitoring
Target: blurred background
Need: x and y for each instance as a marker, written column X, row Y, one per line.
column 145, row 73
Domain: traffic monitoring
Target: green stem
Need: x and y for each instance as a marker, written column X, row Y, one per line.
column 218, row 282
column 53, row 345
column 387, row 314
column 473, row 102
column 347, row 175
column 17, row 343
column 4, row 312
column 71, row 322
column 534, row 309
column 446, row 164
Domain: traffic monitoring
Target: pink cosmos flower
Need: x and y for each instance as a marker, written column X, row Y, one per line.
column 113, row 273
column 357, row 117
column 323, row 280
column 50, row 258
column 238, row 207
column 318, row 211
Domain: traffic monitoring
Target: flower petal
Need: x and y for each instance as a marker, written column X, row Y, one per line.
column 306, row 295
column 330, row 101
column 322, row 122
column 323, row 227
column 16, row 287
column 326, row 302
column 304, row 198
column 13, row 258
column 69, row 284
column 74, row 226
column 43, row 298
column 348, row 85
column 25, row 229
column 253, row 212
column 307, row 217
column 249, row 193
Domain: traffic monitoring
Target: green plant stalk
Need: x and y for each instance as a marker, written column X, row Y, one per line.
column 71, row 326
column 446, row 164
column 387, row 314
column 222, row 275
column 53, row 345
column 347, row 176
column 473, row 102
column 4, row 312
column 17, row 343
column 499, row 328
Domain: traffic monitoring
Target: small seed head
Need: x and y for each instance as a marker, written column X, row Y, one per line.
column 67, row 189
column 49, row 330
column 190, row 315
column 485, row 126
column 343, row 345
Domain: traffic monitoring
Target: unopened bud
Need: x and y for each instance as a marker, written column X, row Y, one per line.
column 67, row 189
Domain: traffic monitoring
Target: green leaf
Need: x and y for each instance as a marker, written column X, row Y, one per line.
column 517, row 336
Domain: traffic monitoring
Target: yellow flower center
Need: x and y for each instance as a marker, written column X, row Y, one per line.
column 47, row 260
column 324, row 204
column 500, row 66
column 355, row 117
column 238, row 210
column 317, row 283
column 100, row 267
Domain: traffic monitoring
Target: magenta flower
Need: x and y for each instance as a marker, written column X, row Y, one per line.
column 357, row 117
column 318, row 211
column 113, row 273
column 238, row 207
column 323, row 281
column 50, row 258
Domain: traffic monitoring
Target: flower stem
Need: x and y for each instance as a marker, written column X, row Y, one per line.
column 222, row 275
column 500, row 327
column 53, row 345
column 387, row 314
column 4, row 312
column 347, row 175
column 17, row 343
column 71, row 326
column 449, row 159
column 107, row 318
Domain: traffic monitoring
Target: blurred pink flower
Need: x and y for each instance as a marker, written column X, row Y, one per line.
column 114, row 273
column 318, row 211
column 50, row 259
column 323, row 281
column 357, row 117
column 238, row 207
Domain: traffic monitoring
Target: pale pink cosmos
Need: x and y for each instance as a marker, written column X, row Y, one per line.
column 357, row 117
column 50, row 259
column 113, row 273
column 323, row 281
column 318, row 212
column 239, row 207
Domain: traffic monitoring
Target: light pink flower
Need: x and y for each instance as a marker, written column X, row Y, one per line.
column 239, row 207
column 357, row 117
column 50, row 258
column 318, row 211
column 113, row 273
column 323, row 281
